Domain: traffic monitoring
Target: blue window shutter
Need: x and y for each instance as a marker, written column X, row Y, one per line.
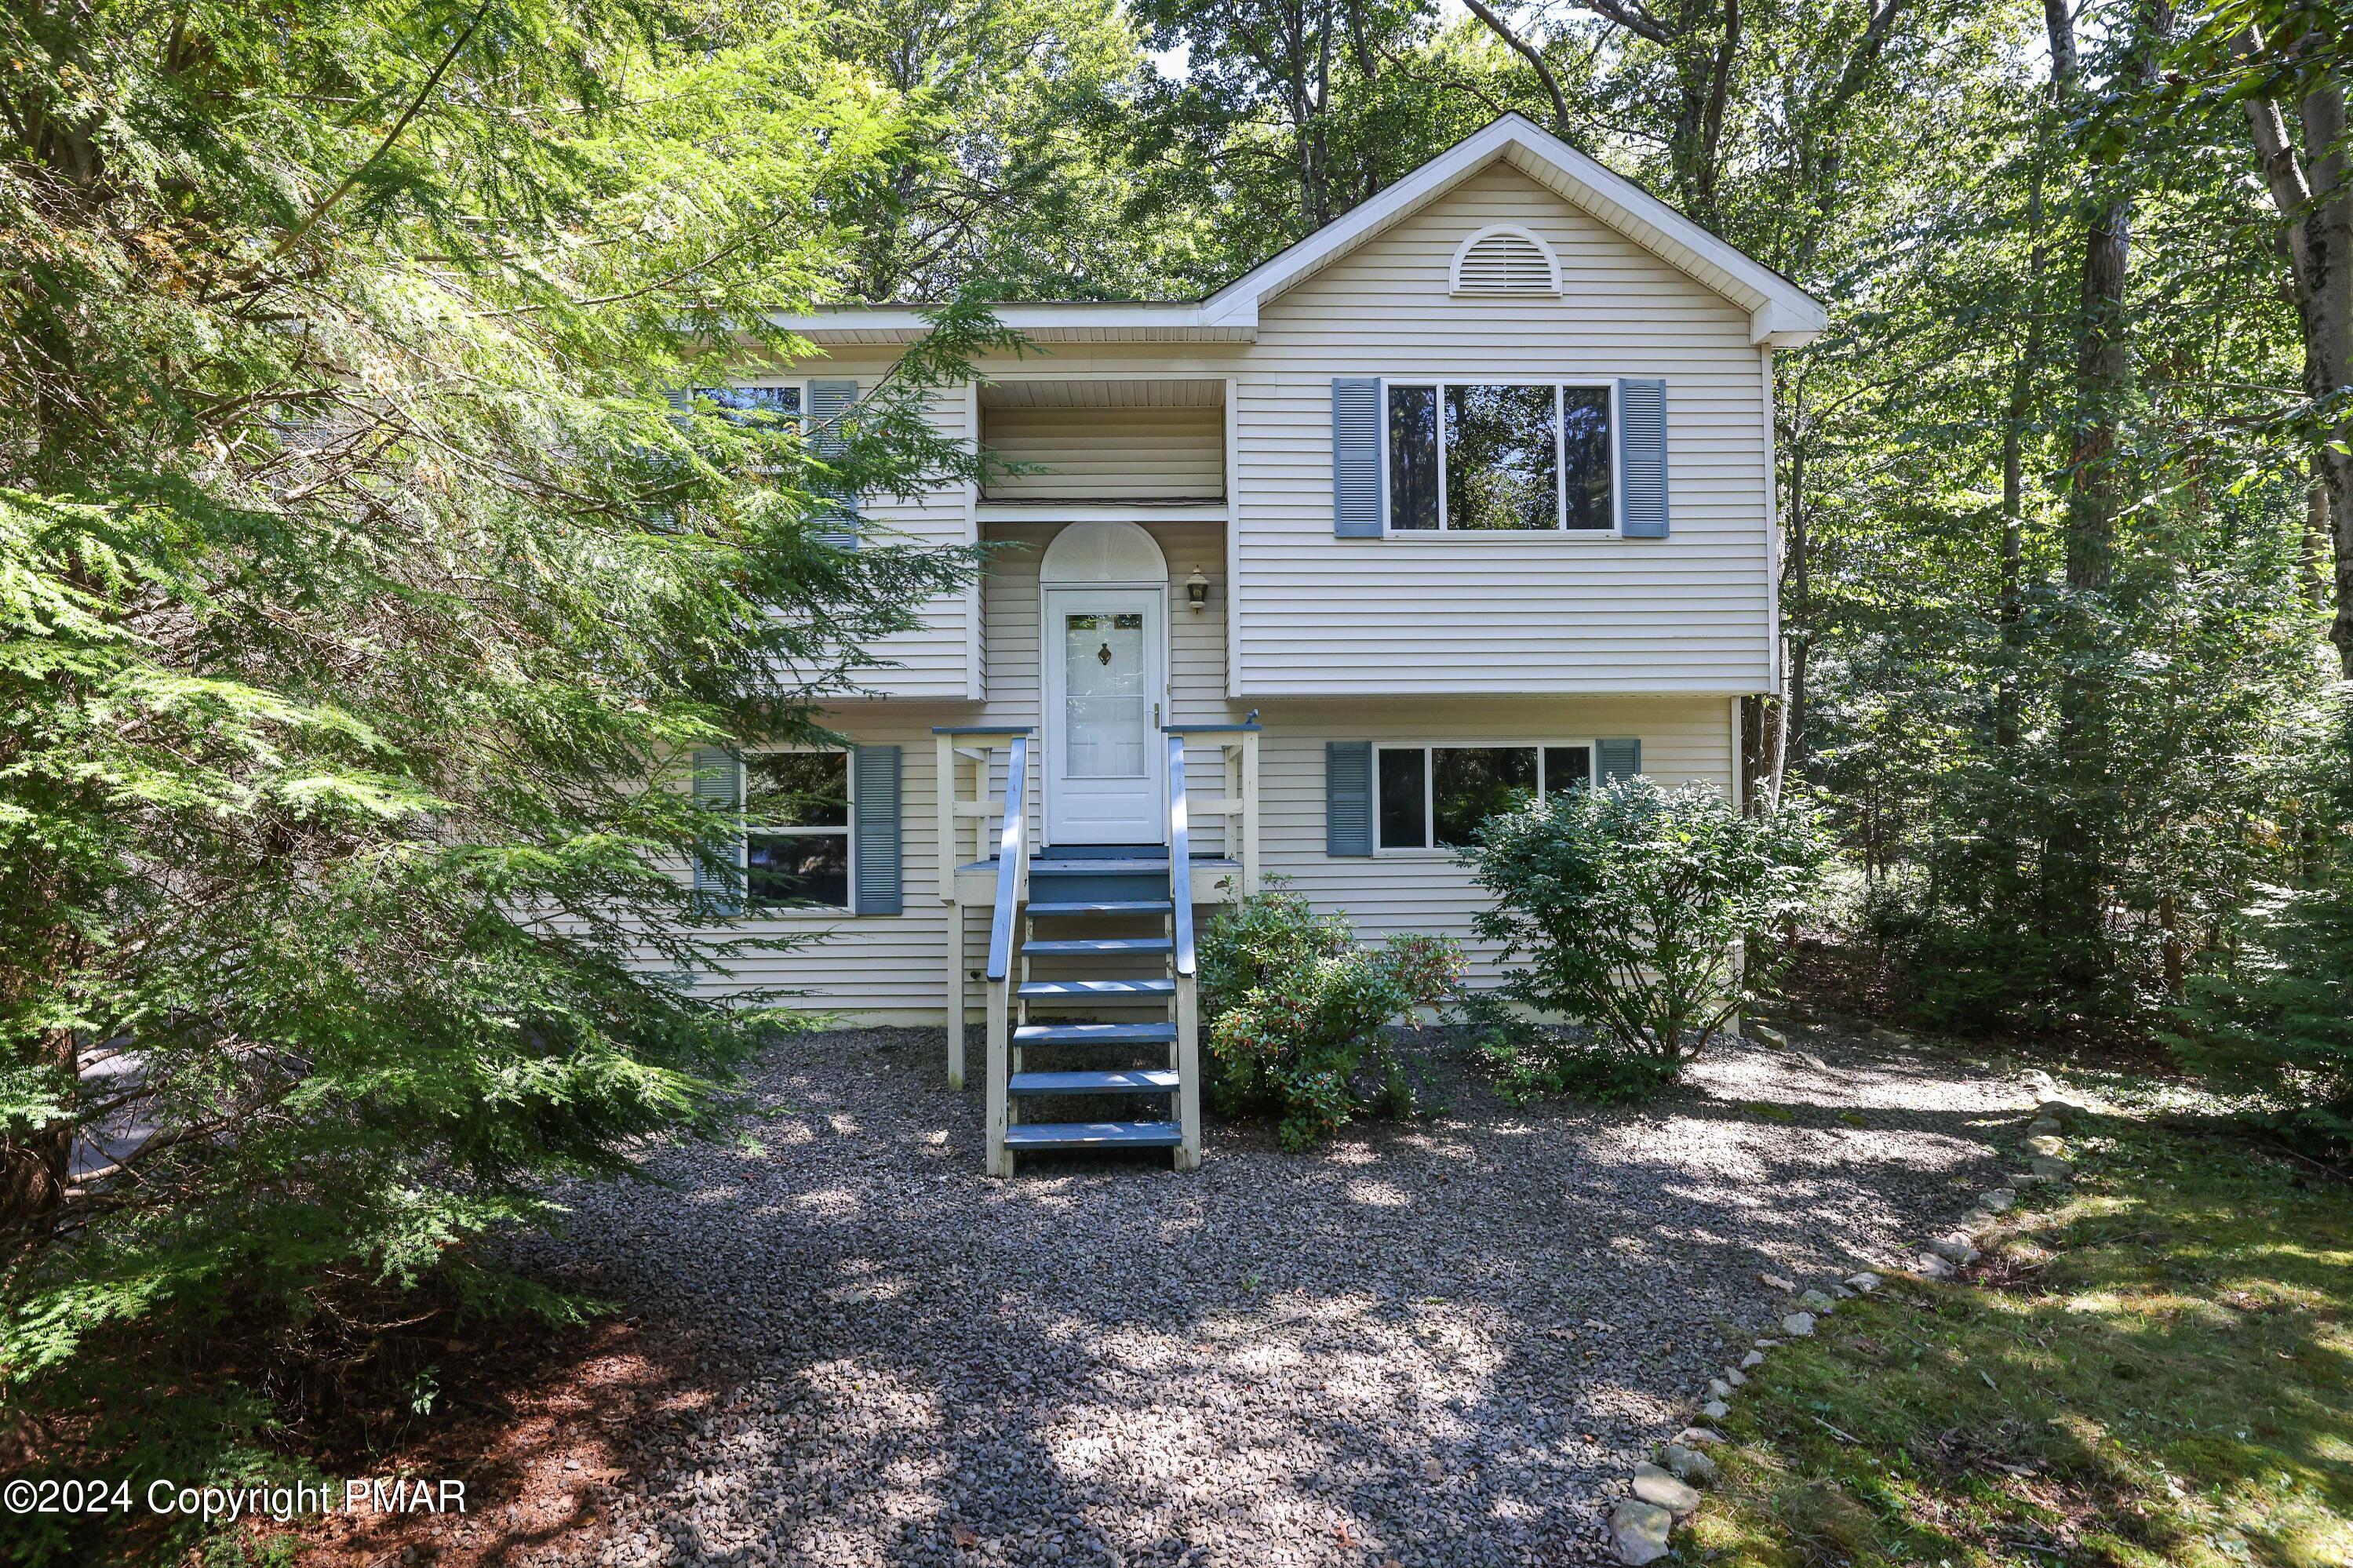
column 829, row 401
column 1357, row 456
column 875, row 829
column 1618, row 760
column 1642, row 458
column 1347, row 797
column 681, row 400
column 718, row 861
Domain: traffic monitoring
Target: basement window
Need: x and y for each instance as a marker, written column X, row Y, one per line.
column 1435, row 797
column 796, row 847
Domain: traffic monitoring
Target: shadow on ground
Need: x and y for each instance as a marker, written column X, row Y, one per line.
column 1440, row 1343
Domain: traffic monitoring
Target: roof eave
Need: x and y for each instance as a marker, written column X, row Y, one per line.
column 1188, row 322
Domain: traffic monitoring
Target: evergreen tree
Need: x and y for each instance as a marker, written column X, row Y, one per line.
column 357, row 579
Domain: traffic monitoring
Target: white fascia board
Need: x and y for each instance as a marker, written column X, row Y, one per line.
column 1044, row 323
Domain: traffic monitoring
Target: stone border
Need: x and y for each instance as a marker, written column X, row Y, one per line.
column 1664, row 1494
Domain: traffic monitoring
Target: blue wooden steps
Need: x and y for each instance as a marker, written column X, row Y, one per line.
column 1097, row 990
column 1098, row 946
column 1093, row 1135
column 1099, row 873
column 1099, row 909
column 1084, row 887
column 1118, row 1080
column 1095, row 1035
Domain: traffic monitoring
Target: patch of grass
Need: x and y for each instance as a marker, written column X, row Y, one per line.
column 2155, row 1370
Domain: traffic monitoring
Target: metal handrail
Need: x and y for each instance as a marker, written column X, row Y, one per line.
column 1012, row 853
column 1180, row 855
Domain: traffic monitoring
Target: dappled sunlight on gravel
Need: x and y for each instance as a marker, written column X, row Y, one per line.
column 1445, row 1342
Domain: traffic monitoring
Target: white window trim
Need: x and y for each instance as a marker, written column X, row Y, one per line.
column 1543, row 248
column 1433, row 850
column 847, row 830
column 1561, row 530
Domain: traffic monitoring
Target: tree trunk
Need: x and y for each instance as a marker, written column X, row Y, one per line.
column 2076, row 882
column 2313, row 560
column 1798, row 613
column 35, row 1167
column 2313, row 195
column 2010, row 609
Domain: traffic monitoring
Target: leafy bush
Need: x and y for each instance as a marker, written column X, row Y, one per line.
column 1628, row 905
column 2276, row 1018
column 1295, row 1008
column 2274, row 1014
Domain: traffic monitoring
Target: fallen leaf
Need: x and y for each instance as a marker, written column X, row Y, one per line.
column 964, row 1537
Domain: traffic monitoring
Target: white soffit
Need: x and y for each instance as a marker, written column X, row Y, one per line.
column 1087, row 392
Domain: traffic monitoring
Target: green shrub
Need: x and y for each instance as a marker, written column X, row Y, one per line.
column 2272, row 1016
column 1295, row 1009
column 1628, row 907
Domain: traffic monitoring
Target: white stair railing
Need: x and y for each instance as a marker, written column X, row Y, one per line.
column 1012, row 892
column 1188, row 1000
column 1238, row 751
column 956, row 748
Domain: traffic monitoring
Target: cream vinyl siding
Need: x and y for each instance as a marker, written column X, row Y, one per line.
column 1394, row 616
column 1141, row 455
column 1684, row 740
column 1321, row 616
column 940, row 660
column 888, row 968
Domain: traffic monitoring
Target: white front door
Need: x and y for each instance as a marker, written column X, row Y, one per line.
column 1105, row 683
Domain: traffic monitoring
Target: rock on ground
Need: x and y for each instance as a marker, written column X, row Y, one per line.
column 1639, row 1530
column 1447, row 1342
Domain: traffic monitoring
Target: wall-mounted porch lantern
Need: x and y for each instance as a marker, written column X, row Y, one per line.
column 1197, row 590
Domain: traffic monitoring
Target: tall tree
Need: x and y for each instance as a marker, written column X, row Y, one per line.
column 1014, row 179
column 2285, row 61
column 358, row 576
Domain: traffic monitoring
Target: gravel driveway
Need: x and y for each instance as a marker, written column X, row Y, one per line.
column 1442, row 1344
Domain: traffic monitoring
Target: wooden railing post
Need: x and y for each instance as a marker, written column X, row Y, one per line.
column 1188, row 1002
column 1249, row 812
column 1012, row 885
column 944, row 754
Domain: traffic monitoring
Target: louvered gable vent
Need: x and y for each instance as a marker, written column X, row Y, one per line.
column 1505, row 260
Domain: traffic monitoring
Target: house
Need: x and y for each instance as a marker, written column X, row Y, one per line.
column 1469, row 492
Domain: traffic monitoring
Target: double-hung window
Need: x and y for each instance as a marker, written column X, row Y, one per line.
column 1435, row 797
column 797, row 832
column 1511, row 456
column 749, row 405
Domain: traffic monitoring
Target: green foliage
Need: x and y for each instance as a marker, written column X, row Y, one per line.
column 1627, row 905
column 1017, row 180
column 356, row 580
column 2272, row 1016
column 1295, row 1009
column 1530, row 1060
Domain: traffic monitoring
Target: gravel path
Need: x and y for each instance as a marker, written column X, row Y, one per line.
column 1441, row 1344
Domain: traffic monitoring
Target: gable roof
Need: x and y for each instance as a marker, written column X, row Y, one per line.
column 1780, row 314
